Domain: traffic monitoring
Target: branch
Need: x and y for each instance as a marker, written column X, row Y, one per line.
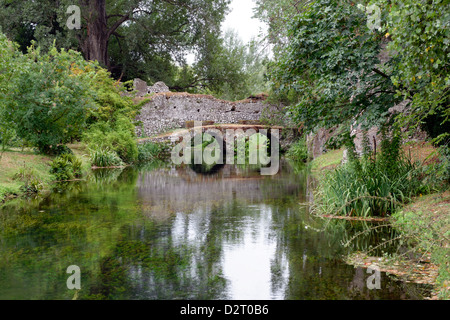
column 143, row 10
column 114, row 15
column 381, row 73
column 195, row 83
column 381, row 91
column 117, row 24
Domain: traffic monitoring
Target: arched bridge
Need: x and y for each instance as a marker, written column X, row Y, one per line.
column 226, row 130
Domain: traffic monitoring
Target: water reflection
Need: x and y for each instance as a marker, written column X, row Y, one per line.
column 171, row 233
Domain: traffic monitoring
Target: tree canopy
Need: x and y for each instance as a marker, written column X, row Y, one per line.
column 334, row 64
column 132, row 38
column 420, row 36
column 341, row 68
column 49, row 97
column 278, row 15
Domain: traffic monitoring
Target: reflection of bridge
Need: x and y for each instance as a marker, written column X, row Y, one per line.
column 167, row 191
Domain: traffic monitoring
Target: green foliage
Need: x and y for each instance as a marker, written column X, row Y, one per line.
column 230, row 69
column 152, row 151
column 8, row 66
column 332, row 64
column 251, row 147
column 419, row 33
column 329, row 65
column 111, row 125
column 373, row 185
column 277, row 15
column 66, row 167
column 48, row 103
column 103, row 157
column 298, row 151
column 207, row 143
column 139, row 38
column 442, row 167
column 30, row 178
column 117, row 135
column 7, row 135
column 110, row 99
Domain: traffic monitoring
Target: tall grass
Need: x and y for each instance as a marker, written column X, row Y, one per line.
column 373, row 185
column 66, row 167
column 298, row 151
column 152, row 151
column 32, row 183
column 103, row 157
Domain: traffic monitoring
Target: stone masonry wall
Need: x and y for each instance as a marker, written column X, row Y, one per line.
column 170, row 110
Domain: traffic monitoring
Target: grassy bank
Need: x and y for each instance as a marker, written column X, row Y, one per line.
column 26, row 172
column 18, row 169
column 327, row 161
column 426, row 224
column 13, row 162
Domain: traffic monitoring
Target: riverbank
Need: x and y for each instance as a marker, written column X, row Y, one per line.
column 424, row 224
column 19, row 168
column 13, row 162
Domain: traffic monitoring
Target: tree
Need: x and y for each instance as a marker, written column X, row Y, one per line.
column 120, row 35
column 225, row 67
column 221, row 66
column 49, row 97
column 277, row 14
column 333, row 64
column 420, row 33
column 8, row 66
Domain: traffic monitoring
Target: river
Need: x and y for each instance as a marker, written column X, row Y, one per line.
column 171, row 233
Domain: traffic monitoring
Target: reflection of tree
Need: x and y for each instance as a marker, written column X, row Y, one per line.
column 76, row 225
column 159, row 262
column 165, row 233
column 313, row 253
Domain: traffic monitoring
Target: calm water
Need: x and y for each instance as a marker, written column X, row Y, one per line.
column 167, row 233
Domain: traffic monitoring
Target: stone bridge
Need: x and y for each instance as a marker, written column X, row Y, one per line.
column 282, row 134
column 167, row 113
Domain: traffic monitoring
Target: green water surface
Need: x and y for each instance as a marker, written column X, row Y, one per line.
column 171, row 233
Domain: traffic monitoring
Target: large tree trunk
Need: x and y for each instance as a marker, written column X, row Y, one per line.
column 95, row 45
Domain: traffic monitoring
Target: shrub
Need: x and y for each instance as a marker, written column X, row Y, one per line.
column 29, row 176
column 298, row 151
column 103, row 157
column 111, row 125
column 66, row 167
column 118, row 136
column 51, row 97
column 372, row 185
column 60, row 150
column 151, row 151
